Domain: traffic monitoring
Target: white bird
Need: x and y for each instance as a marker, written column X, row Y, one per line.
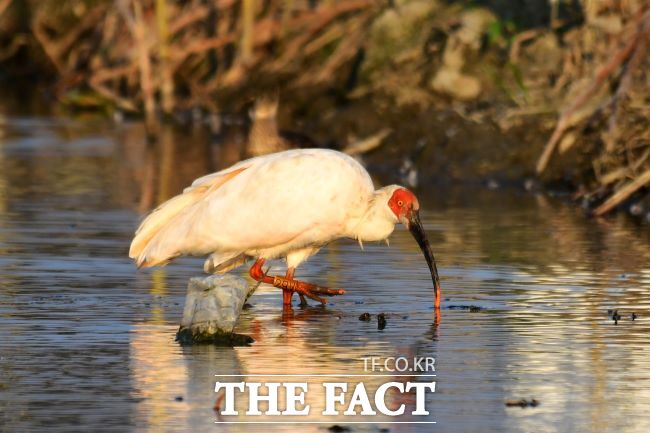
column 283, row 205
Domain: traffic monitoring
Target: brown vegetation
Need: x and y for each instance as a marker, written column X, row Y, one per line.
column 158, row 57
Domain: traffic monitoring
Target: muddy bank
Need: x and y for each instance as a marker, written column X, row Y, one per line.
column 436, row 146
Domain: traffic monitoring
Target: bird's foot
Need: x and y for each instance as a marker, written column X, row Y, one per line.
column 289, row 285
column 311, row 291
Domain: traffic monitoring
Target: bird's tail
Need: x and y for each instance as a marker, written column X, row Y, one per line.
column 160, row 237
column 147, row 234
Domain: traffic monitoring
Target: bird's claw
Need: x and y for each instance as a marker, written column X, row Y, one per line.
column 309, row 290
column 312, row 292
column 327, row 291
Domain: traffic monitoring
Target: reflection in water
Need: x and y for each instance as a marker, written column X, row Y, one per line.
column 85, row 339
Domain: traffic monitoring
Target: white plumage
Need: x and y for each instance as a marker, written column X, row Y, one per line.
column 283, row 205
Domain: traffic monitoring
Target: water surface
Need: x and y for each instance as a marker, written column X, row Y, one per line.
column 87, row 342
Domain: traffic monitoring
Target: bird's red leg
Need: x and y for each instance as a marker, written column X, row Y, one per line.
column 286, row 293
column 301, row 287
column 289, row 276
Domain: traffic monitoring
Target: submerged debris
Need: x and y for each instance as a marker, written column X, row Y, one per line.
column 615, row 316
column 212, row 307
column 523, row 403
column 186, row 337
column 633, row 316
column 365, row 317
column 338, row 428
column 381, row 321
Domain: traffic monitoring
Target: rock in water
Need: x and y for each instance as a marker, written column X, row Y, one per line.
column 212, row 306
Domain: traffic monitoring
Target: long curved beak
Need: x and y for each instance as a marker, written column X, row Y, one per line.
column 415, row 227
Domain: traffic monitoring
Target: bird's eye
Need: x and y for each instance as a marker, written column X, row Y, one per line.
column 400, row 203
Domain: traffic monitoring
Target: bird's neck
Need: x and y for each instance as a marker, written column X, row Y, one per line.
column 377, row 223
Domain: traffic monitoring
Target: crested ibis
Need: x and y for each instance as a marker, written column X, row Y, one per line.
column 283, row 205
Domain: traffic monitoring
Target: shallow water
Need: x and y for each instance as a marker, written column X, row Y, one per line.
column 87, row 342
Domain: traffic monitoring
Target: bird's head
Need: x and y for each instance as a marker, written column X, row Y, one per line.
column 405, row 207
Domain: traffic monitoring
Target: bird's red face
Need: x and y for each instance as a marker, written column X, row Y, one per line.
column 403, row 202
column 406, row 208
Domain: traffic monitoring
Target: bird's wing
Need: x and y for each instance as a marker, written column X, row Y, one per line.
column 208, row 181
column 165, row 214
column 302, row 196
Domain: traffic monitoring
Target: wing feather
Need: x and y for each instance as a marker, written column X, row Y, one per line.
column 164, row 215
